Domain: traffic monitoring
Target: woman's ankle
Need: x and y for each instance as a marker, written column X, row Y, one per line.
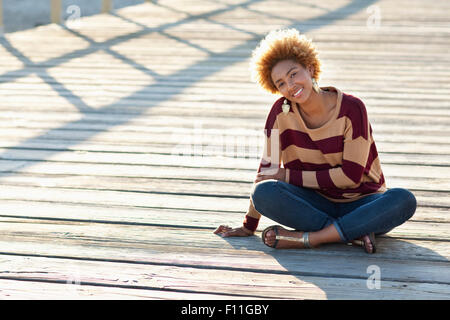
column 328, row 234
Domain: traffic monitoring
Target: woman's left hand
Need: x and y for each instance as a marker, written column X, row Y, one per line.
column 280, row 175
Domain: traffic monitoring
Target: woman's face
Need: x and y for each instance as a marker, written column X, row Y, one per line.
column 292, row 80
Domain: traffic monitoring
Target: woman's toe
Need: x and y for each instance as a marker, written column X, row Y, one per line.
column 368, row 244
column 270, row 238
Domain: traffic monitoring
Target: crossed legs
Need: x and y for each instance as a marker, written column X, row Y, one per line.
column 304, row 210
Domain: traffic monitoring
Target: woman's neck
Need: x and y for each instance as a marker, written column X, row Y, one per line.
column 315, row 106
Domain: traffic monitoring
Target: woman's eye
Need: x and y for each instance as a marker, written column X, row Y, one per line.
column 293, row 74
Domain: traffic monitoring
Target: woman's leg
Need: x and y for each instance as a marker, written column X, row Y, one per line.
column 303, row 209
column 297, row 208
column 378, row 213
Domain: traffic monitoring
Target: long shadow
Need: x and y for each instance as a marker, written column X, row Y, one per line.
column 405, row 270
column 94, row 46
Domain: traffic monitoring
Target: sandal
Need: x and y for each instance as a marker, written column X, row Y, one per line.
column 304, row 239
column 362, row 243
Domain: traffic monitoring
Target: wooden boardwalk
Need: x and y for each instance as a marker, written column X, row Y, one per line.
column 126, row 138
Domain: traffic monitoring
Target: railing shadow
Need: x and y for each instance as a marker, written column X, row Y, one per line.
column 198, row 69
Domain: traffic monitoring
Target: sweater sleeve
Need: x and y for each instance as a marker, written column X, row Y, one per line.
column 270, row 160
column 357, row 144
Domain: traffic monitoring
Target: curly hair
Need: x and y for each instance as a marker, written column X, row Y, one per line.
column 281, row 45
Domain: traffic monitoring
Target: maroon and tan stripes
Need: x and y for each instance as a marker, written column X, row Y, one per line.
column 339, row 159
column 355, row 110
column 324, row 179
column 272, row 117
column 352, row 170
column 303, row 140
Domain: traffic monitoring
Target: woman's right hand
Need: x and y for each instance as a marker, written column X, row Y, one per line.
column 226, row 231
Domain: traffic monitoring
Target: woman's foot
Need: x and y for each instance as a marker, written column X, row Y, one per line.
column 281, row 238
column 367, row 242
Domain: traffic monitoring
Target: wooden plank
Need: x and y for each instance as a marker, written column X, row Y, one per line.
column 281, row 263
column 225, row 92
column 235, row 253
column 105, row 120
column 140, row 102
column 241, row 188
column 242, row 150
column 227, row 138
column 45, row 290
column 146, row 236
column 159, row 124
column 159, row 199
column 185, row 156
column 175, row 186
column 242, row 138
column 301, row 261
column 143, row 90
column 193, row 280
column 389, row 132
column 205, row 218
column 170, row 278
column 235, row 179
column 179, row 184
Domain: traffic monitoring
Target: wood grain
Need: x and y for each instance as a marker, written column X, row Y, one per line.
column 128, row 138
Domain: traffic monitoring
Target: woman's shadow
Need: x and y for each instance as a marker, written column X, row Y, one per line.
column 400, row 269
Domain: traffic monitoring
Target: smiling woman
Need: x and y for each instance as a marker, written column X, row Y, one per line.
column 278, row 46
column 330, row 187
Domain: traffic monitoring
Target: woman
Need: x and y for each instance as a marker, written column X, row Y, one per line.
column 331, row 187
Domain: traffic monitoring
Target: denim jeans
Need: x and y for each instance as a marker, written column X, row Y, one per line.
column 305, row 210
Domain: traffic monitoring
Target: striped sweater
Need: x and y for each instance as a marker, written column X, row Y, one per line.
column 339, row 159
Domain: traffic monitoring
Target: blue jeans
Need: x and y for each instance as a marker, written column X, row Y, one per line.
column 305, row 210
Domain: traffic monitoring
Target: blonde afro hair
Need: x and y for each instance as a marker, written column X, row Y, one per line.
column 279, row 45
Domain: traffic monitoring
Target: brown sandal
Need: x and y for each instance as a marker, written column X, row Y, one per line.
column 362, row 243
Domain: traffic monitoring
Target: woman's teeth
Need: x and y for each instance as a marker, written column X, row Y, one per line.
column 298, row 93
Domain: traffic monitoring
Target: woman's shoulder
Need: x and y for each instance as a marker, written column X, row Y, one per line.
column 277, row 107
column 354, row 109
column 352, row 104
column 274, row 112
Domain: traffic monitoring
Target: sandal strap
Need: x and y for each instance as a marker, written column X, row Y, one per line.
column 358, row 243
column 304, row 239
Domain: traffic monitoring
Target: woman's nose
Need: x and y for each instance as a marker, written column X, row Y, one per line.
column 290, row 83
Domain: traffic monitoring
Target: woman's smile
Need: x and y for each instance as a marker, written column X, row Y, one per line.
column 298, row 93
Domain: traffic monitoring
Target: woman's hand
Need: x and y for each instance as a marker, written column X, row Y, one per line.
column 226, row 231
column 280, row 175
